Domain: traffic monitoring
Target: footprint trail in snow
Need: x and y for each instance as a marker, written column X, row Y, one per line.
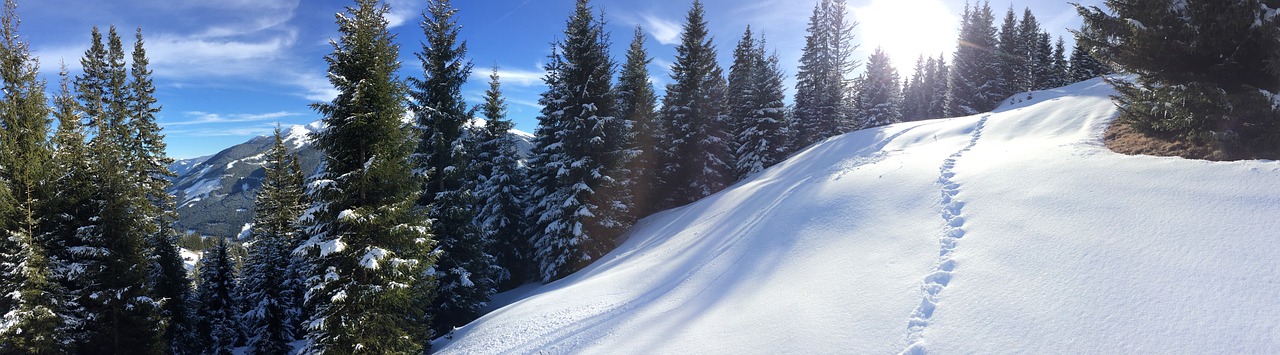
column 940, row 276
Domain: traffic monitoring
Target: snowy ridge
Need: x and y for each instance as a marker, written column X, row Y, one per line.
column 1060, row 246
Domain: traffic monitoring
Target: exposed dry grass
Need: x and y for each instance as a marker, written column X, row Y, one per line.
column 1124, row 139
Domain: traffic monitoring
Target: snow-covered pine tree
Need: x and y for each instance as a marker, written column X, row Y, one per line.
column 1206, row 69
column 168, row 277
column 879, row 102
column 127, row 319
column 696, row 156
column 823, row 94
column 547, row 155
column 763, row 141
column 740, row 100
column 465, row 271
column 369, row 249
column 219, row 324
column 638, row 104
column 1082, row 63
column 1042, row 57
column 1060, row 73
column 915, row 95
column 71, row 261
column 267, row 283
column 589, row 201
column 937, row 75
column 1011, row 56
column 974, row 78
column 29, row 300
column 503, row 192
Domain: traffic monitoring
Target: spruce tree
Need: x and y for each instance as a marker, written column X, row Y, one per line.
column 937, row 74
column 369, row 247
column 267, row 283
column 1083, row 66
column 1011, row 56
column 546, row 156
column 465, row 271
column 637, row 103
column 502, row 192
column 879, row 102
column 72, row 262
column 823, row 93
column 696, row 150
column 30, row 301
column 168, row 277
column 915, row 99
column 974, row 77
column 125, row 321
column 218, row 315
column 1060, row 72
column 740, row 100
column 763, row 140
column 587, row 202
column 1205, row 69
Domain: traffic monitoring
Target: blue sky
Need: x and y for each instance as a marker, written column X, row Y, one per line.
column 229, row 70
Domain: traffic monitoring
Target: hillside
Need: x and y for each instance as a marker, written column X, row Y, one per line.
column 1009, row 232
column 215, row 194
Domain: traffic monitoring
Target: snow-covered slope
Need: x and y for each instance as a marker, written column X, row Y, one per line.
column 1010, row 232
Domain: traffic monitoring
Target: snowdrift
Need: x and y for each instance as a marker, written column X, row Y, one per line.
column 1015, row 231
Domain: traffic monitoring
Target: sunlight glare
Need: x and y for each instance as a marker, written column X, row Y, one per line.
column 906, row 29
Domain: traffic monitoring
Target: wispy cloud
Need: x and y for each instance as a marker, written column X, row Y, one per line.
column 512, row 77
column 199, row 118
column 403, row 11
column 665, row 31
column 253, row 130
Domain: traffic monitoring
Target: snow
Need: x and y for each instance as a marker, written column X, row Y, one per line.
column 189, row 259
column 332, row 246
column 1015, row 231
column 370, row 258
column 245, row 231
column 201, row 189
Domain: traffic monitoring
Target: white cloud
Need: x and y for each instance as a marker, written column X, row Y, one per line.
column 512, row 77
column 198, row 118
column 665, row 31
column 402, row 11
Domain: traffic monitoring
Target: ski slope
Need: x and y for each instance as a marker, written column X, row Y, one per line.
column 1015, row 231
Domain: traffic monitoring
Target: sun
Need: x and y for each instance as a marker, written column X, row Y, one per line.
column 906, row 29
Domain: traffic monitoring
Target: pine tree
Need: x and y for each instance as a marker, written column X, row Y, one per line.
column 465, row 271
column 879, row 102
column 168, row 277
column 974, row 80
column 127, row 320
column 936, row 80
column 1205, row 69
column 740, row 100
column 502, row 192
column 28, row 299
column 763, row 140
column 637, row 103
column 369, row 248
column 1012, row 57
column 1083, row 65
column 587, row 202
column 823, row 93
column 696, row 156
column 915, row 95
column 73, row 263
column 218, row 316
column 1060, row 73
column 547, row 156
column 268, row 295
